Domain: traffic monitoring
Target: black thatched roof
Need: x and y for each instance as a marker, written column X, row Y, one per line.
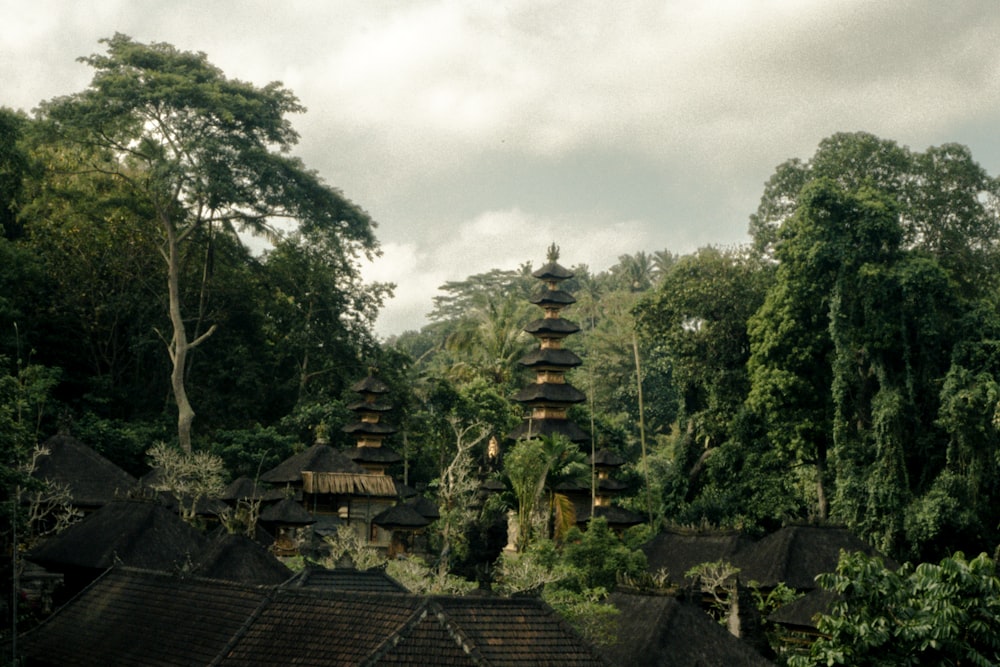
column 369, row 406
column 493, row 486
column 287, row 512
column 619, row 517
column 404, row 490
column 238, row 558
column 660, row 630
column 677, row 551
column 550, row 392
column 552, row 271
column 801, row 614
column 383, row 455
column 604, row 486
column 555, row 326
column 607, row 459
column 318, row 458
column 547, row 427
column 342, row 579
column 370, row 385
column 401, row 517
column 139, row 534
column 553, row 297
column 327, row 525
column 425, row 507
column 244, row 488
column 92, row 480
column 796, row 554
column 369, row 428
column 550, row 358
column 131, row 617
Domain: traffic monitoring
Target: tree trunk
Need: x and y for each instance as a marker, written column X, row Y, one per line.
column 642, row 426
column 179, row 345
column 821, row 499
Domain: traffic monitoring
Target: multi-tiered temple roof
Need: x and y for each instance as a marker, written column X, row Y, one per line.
column 550, row 396
column 369, row 429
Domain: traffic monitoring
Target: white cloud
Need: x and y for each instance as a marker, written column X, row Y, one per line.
column 475, row 132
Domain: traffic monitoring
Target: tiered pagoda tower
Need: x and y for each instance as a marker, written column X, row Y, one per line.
column 369, row 429
column 549, row 398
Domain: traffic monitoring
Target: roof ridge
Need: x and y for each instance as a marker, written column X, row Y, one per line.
column 424, row 610
column 269, row 593
column 455, row 631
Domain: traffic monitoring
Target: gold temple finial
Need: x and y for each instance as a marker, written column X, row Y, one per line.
column 553, row 253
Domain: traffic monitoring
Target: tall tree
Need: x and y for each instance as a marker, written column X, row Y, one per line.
column 792, row 353
column 201, row 152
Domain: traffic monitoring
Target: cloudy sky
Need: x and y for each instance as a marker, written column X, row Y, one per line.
column 477, row 133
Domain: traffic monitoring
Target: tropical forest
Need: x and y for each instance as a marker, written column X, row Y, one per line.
column 178, row 289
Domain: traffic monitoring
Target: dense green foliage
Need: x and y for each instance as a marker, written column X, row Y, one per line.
column 946, row 613
column 843, row 366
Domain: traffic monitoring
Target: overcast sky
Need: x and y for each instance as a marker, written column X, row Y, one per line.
column 477, row 133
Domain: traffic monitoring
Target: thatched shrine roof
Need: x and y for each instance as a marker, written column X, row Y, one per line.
column 244, row 488
column 552, row 271
column 547, row 427
column 616, row 516
column 140, row 534
column 370, row 385
column 553, row 297
column 794, row 555
column 238, row 558
column 92, row 480
column 608, row 459
column 287, row 512
column 548, row 357
column 404, row 490
column 554, row 326
column 383, row 455
column 801, row 614
column 493, row 486
column 369, row 428
column 550, row 392
column 660, row 630
column 369, row 406
column 679, row 550
column 425, row 507
column 401, row 517
column 357, row 484
column 318, row 458
column 130, row 617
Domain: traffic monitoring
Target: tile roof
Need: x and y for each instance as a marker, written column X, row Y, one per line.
column 311, row 629
column 130, row 617
column 511, row 632
column 678, row 550
column 794, row 555
column 134, row 617
column 659, row 630
column 340, row 579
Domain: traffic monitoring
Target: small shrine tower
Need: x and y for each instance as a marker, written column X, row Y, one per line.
column 369, row 429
